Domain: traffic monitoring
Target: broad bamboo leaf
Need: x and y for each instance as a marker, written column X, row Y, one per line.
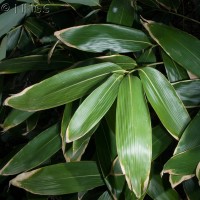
column 190, row 138
column 160, row 141
column 3, row 47
column 174, row 71
column 165, row 101
column 13, row 17
column 121, row 12
column 14, row 118
column 60, row 178
column 159, row 190
column 33, row 62
column 62, row 88
column 188, row 91
column 93, row 108
column 192, row 189
column 177, row 44
column 188, row 160
column 102, row 37
column 83, row 2
column 34, row 153
column 133, row 134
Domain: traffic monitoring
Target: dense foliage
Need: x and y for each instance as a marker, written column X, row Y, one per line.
column 100, row 99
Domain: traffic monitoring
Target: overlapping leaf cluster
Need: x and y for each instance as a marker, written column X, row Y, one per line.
column 103, row 106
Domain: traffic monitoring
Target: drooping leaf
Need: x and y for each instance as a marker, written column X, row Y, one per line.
column 165, row 101
column 158, row 189
column 93, row 108
column 121, row 12
column 177, row 44
column 133, row 134
column 52, row 180
column 102, row 37
column 192, row 189
column 33, row 62
column 83, row 2
column 14, row 118
column 174, row 71
column 62, row 88
column 160, row 141
column 13, row 17
column 35, row 152
column 190, row 138
column 188, row 91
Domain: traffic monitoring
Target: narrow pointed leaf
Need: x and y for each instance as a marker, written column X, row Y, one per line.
column 83, row 2
column 121, row 12
column 133, row 135
column 62, row 88
column 190, row 138
column 35, row 152
column 93, row 108
column 14, row 118
column 60, row 178
column 102, row 37
column 188, row 91
column 165, row 101
column 32, row 63
column 177, row 44
column 192, row 189
column 174, row 71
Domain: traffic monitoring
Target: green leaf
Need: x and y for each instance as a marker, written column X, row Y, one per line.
column 174, row 71
column 105, row 196
column 160, row 141
column 93, row 108
column 159, row 190
column 121, row 12
column 34, row 153
column 147, row 56
column 190, row 138
column 52, row 180
column 177, row 44
column 83, row 2
column 177, row 179
column 133, row 134
column 13, row 17
column 192, row 189
column 62, row 88
column 3, row 47
column 165, row 101
column 33, row 62
column 14, row 118
column 188, row 91
column 102, row 37
column 31, row 122
column 188, row 160
column 64, row 124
